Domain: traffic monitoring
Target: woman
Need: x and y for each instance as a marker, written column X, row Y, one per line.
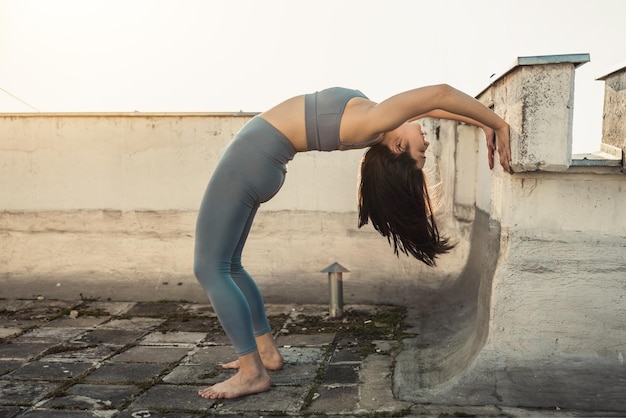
column 253, row 169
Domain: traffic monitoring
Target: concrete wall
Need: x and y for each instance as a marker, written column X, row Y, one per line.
column 105, row 205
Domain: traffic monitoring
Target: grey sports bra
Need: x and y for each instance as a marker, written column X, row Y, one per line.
column 322, row 112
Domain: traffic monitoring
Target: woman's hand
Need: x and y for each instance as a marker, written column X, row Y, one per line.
column 490, row 136
column 501, row 143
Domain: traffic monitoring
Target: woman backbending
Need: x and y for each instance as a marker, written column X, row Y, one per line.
column 393, row 197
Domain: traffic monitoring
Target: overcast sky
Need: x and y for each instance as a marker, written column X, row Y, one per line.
column 231, row 55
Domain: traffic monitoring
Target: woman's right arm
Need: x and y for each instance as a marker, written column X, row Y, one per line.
column 490, row 134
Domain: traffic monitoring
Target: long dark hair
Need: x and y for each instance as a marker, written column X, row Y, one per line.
column 393, row 195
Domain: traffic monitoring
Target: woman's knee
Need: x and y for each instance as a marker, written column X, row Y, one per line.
column 208, row 270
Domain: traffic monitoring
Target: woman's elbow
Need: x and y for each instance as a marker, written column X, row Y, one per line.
column 443, row 90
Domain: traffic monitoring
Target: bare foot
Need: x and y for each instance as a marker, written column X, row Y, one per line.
column 270, row 356
column 271, row 361
column 231, row 365
column 237, row 386
column 251, row 378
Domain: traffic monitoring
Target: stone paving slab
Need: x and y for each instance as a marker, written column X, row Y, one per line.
column 295, row 375
column 25, row 393
column 376, row 392
column 9, row 331
column 10, row 411
column 178, row 338
column 149, row 354
column 345, row 355
column 173, row 397
column 23, row 350
column 335, row 399
column 124, row 372
column 209, row 356
column 44, row 310
column 54, row 334
column 112, row 308
column 302, row 355
column 54, row 413
column 133, row 324
column 48, row 371
column 341, row 373
column 305, row 340
column 202, row 324
column 156, row 310
column 71, row 352
column 7, row 366
column 93, row 397
column 283, row 400
column 192, row 374
column 216, row 340
column 152, row 413
column 200, row 310
column 86, row 322
column 110, row 337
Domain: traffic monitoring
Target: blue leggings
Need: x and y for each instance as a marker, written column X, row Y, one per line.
column 250, row 172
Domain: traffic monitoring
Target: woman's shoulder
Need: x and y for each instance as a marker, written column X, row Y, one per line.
column 357, row 126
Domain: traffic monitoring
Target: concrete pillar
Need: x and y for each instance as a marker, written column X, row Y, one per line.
column 614, row 114
column 536, row 97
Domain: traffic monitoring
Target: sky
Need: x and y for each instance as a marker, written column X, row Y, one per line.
column 247, row 55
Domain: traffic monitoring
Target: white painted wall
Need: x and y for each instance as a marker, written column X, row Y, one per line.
column 151, row 162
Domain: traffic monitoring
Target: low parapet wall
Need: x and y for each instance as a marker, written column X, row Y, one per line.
column 104, row 205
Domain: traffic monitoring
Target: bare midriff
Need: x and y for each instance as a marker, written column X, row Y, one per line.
column 288, row 118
